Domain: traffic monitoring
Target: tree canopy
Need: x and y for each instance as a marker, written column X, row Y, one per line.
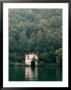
column 35, row 29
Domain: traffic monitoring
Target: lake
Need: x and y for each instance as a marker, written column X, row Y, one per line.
column 21, row 73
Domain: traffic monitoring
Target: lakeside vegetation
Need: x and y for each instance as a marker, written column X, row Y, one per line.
column 39, row 30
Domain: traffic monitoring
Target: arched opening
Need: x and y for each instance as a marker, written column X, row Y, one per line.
column 32, row 63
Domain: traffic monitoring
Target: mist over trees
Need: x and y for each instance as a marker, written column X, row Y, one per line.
column 38, row 30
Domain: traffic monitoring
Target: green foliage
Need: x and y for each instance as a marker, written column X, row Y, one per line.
column 44, row 57
column 58, row 53
column 14, row 57
column 22, row 41
column 37, row 30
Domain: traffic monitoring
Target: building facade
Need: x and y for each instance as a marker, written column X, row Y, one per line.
column 31, row 57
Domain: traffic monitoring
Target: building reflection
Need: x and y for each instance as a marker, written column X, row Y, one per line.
column 30, row 73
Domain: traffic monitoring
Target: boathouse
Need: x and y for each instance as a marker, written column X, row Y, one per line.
column 30, row 58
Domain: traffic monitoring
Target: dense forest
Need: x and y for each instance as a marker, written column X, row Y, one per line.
column 38, row 30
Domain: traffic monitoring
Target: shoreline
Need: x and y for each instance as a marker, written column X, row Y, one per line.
column 39, row 65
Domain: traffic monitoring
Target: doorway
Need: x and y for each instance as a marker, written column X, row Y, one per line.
column 32, row 63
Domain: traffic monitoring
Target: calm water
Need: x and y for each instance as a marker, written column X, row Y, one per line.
column 20, row 73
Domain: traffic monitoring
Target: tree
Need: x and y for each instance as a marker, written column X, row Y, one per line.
column 44, row 57
column 58, row 53
column 36, row 29
column 23, row 41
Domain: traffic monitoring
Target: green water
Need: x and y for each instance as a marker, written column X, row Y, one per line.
column 21, row 73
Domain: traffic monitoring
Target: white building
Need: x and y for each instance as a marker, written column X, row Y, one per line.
column 31, row 57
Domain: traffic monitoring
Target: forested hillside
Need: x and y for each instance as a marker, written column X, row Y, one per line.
column 38, row 30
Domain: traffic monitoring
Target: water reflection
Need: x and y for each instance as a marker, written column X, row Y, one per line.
column 20, row 73
column 30, row 73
